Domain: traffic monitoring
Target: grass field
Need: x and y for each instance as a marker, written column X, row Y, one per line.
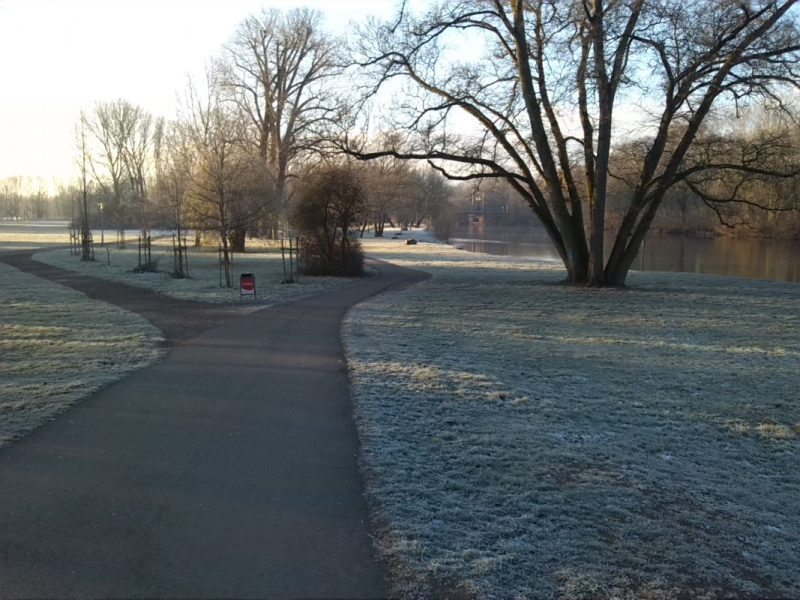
column 203, row 284
column 522, row 438
column 58, row 346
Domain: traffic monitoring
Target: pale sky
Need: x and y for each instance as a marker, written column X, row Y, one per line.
column 59, row 56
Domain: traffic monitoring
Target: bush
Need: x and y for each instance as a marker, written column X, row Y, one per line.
column 330, row 200
column 348, row 263
column 444, row 221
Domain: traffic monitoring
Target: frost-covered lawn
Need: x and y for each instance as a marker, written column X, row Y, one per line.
column 522, row 438
column 203, row 283
column 57, row 346
column 31, row 241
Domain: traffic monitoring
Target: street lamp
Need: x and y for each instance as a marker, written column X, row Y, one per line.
column 101, row 206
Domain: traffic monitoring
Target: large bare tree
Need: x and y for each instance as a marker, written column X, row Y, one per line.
column 227, row 184
column 106, row 159
column 549, row 86
column 275, row 69
column 121, row 144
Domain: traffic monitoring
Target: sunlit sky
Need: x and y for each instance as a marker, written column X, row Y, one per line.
column 59, row 56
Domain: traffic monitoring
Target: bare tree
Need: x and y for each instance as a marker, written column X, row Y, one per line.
column 136, row 157
column 84, row 158
column 227, row 184
column 429, row 196
column 549, row 88
column 121, row 140
column 275, row 70
column 106, row 163
column 174, row 158
column 387, row 185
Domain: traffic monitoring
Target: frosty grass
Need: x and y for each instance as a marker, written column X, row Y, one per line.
column 57, row 346
column 522, row 438
column 263, row 259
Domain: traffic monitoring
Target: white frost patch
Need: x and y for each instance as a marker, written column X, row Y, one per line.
column 522, row 438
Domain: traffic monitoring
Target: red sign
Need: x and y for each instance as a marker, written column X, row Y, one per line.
column 247, row 284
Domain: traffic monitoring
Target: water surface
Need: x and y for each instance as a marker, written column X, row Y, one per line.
column 755, row 259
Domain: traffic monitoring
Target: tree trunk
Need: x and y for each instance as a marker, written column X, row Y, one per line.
column 577, row 266
column 237, row 238
column 226, row 262
column 572, row 251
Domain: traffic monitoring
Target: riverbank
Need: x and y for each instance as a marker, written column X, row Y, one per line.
column 522, row 438
column 777, row 260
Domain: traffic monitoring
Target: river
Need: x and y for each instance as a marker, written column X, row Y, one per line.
column 751, row 258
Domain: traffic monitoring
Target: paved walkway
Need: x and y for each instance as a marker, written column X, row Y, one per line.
column 178, row 320
column 227, row 470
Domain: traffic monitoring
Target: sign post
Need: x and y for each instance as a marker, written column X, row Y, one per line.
column 247, row 285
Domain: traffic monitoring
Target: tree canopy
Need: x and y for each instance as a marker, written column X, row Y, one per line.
column 547, row 83
column 276, row 70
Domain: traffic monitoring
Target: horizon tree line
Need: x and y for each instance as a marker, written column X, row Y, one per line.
column 283, row 96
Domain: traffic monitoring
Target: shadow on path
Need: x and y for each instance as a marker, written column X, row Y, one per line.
column 227, row 470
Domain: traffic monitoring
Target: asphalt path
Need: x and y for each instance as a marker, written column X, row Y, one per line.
column 178, row 320
column 227, row 470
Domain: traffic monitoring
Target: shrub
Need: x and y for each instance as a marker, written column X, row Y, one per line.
column 347, row 263
column 330, row 200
